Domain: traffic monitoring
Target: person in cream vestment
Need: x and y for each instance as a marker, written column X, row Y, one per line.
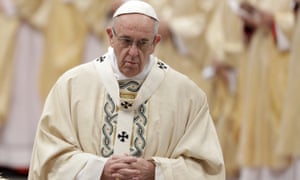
column 228, row 62
column 184, row 29
column 127, row 114
column 288, row 145
column 269, row 48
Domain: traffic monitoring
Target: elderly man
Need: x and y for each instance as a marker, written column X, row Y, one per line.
column 127, row 114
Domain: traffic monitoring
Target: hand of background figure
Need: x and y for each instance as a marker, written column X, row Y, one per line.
column 256, row 17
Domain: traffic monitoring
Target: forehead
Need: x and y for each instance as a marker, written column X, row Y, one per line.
column 135, row 23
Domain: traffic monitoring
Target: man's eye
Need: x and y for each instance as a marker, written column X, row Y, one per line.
column 126, row 41
column 143, row 43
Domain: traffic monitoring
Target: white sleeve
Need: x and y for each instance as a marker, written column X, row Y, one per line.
column 283, row 43
column 93, row 168
column 158, row 173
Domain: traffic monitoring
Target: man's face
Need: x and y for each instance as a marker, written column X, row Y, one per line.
column 133, row 40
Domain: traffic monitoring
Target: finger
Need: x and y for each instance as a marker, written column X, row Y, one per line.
column 126, row 174
column 138, row 164
column 129, row 172
column 124, row 163
column 126, row 159
column 117, row 176
column 120, row 165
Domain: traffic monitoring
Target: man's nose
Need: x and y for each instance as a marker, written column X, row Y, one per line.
column 133, row 50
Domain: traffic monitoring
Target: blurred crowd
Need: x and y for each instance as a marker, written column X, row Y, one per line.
column 245, row 54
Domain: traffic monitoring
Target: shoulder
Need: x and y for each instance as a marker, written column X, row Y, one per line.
column 82, row 71
column 182, row 80
column 180, row 83
column 83, row 75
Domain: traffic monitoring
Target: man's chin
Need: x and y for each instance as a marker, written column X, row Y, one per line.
column 130, row 72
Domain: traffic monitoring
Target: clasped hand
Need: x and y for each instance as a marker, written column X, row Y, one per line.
column 256, row 17
column 128, row 168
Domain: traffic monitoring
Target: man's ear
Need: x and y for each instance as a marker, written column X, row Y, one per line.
column 157, row 39
column 110, row 35
column 155, row 42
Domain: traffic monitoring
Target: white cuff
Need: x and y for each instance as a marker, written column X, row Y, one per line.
column 93, row 168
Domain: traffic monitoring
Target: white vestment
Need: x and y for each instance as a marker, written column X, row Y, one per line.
column 171, row 125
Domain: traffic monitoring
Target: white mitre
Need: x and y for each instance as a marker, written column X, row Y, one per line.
column 136, row 6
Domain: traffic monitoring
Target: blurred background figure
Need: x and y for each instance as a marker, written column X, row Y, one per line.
column 268, row 26
column 21, row 49
column 72, row 36
column 227, row 66
column 7, row 45
column 184, row 28
column 288, row 144
column 39, row 41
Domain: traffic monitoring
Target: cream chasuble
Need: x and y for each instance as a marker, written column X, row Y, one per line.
column 129, row 98
column 90, row 115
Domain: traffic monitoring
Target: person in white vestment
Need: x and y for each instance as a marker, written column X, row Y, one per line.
column 127, row 114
